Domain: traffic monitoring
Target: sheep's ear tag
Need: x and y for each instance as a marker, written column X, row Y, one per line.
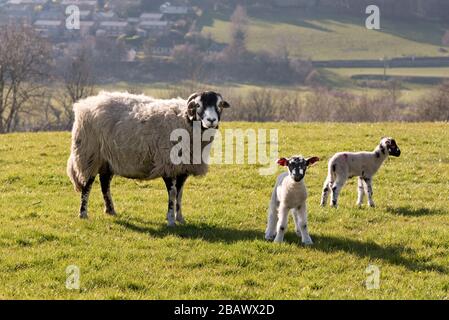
column 282, row 162
column 312, row 160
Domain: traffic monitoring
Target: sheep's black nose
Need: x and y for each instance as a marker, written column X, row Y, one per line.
column 210, row 120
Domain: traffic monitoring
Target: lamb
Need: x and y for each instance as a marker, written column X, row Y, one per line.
column 289, row 193
column 130, row 136
column 364, row 165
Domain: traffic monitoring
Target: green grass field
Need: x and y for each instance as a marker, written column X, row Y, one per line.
column 325, row 36
column 221, row 251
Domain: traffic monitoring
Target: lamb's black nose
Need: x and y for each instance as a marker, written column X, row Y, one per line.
column 210, row 120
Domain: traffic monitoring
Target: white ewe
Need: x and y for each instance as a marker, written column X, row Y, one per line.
column 129, row 135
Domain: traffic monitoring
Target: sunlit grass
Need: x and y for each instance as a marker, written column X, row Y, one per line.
column 221, row 252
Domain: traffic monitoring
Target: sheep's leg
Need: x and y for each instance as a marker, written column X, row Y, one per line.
column 282, row 223
column 180, row 180
column 85, row 192
column 336, row 188
column 325, row 194
column 360, row 191
column 369, row 191
column 270, row 232
column 170, row 183
column 105, row 182
column 300, row 217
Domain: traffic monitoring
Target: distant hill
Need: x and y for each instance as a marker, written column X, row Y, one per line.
column 320, row 35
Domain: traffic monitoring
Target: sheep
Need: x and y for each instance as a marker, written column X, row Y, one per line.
column 289, row 193
column 130, row 136
column 364, row 165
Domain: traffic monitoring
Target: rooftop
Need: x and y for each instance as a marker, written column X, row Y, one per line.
column 55, row 23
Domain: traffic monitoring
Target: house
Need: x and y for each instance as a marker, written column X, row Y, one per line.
column 105, row 16
column 169, row 9
column 133, row 21
column 26, row 2
column 21, row 11
column 81, row 4
column 114, row 28
column 52, row 14
column 87, row 28
column 85, row 15
column 151, row 16
column 154, row 26
column 48, row 28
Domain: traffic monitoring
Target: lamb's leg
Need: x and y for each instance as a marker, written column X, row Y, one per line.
column 360, row 191
column 325, row 194
column 85, row 192
column 336, row 188
column 300, row 217
column 180, row 180
column 270, row 232
column 369, row 191
column 170, row 183
column 282, row 223
column 105, row 181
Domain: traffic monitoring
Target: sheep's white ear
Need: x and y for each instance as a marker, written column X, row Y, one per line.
column 282, row 162
column 312, row 160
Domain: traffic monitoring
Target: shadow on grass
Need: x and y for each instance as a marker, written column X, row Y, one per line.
column 414, row 212
column 392, row 254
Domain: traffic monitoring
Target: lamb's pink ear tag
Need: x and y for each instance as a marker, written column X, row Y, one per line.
column 282, row 162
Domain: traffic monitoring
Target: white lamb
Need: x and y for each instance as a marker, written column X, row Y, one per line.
column 364, row 165
column 290, row 193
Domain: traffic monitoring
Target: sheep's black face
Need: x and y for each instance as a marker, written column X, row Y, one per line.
column 391, row 146
column 207, row 108
column 297, row 166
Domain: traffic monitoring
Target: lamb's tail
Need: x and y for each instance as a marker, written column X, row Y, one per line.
column 332, row 168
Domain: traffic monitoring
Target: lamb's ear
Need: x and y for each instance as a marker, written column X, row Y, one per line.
column 312, row 160
column 282, row 162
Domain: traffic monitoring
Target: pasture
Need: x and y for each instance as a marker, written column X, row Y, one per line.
column 321, row 35
column 221, row 252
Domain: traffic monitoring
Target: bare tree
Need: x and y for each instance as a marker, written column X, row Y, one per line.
column 24, row 60
column 77, row 81
column 239, row 33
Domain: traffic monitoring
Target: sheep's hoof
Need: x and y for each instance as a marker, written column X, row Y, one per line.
column 372, row 205
column 83, row 215
column 171, row 224
column 110, row 212
column 269, row 237
column 308, row 242
column 181, row 220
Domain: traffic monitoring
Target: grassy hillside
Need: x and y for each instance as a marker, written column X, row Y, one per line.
column 326, row 36
column 221, row 252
